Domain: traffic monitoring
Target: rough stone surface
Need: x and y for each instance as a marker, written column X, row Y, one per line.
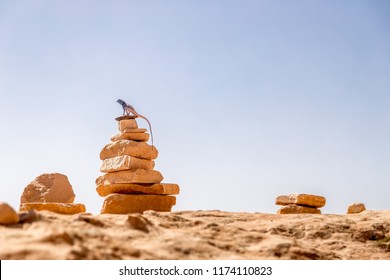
column 139, row 176
column 298, row 209
column 51, row 187
column 127, row 124
column 356, row 208
column 141, row 137
column 127, row 203
column 301, row 199
column 60, row 208
column 201, row 235
column 125, row 163
column 130, row 148
column 7, row 214
column 162, row 189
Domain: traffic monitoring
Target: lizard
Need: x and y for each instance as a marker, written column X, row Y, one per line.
column 128, row 109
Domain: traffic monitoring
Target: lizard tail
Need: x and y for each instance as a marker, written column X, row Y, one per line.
column 150, row 127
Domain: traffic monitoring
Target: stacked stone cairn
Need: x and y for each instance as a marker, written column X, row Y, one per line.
column 300, row 204
column 130, row 185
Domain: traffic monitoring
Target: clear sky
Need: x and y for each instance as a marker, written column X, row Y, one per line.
column 248, row 100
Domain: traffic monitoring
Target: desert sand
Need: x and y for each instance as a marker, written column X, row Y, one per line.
column 194, row 235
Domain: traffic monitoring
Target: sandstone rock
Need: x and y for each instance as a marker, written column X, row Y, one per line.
column 7, row 214
column 162, row 189
column 356, row 208
column 134, row 130
column 298, row 209
column 301, row 199
column 61, row 208
column 139, row 176
column 127, row 124
column 52, row 187
column 127, row 203
column 141, row 137
column 130, row 148
column 125, row 163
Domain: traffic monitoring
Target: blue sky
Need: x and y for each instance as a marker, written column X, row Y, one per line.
column 248, row 100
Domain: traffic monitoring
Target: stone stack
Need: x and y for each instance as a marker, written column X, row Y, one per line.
column 130, row 183
column 300, row 204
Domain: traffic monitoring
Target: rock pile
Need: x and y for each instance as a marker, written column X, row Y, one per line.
column 300, row 204
column 51, row 192
column 130, row 183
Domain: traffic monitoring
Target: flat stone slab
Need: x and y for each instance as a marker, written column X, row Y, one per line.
column 161, row 189
column 141, row 137
column 134, row 130
column 8, row 215
column 301, row 199
column 125, row 162
column 356, row 208
column 138, row 203
column 139, row 176
column 130, row 148
column 298, row 209
column 60, row 208
column 126, row 117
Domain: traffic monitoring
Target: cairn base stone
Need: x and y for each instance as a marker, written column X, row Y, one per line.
column 127, row 203
column 161, row 189
column 60, row 208
column 298, row 209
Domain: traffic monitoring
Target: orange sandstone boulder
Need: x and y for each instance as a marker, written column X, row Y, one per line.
column 356, row 208
column 51, row 187
column 7, row 214
column 127, row 124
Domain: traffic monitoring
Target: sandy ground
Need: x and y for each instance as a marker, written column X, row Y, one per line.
column 197, row 235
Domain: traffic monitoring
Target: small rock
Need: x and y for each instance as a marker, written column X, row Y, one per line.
column 162, row 189
column 8, row 215
column 356, row 208
column 139, row 222
column 141, row 137
column 130, row 148
column 127, row 203
column 60, row 208
column 51, row 187
column 298, row 209
column 301, row 199
column 139, row 176
column 125, row 163
column 127, row 124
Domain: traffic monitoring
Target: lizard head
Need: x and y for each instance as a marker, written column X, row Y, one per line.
column 120, row 101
